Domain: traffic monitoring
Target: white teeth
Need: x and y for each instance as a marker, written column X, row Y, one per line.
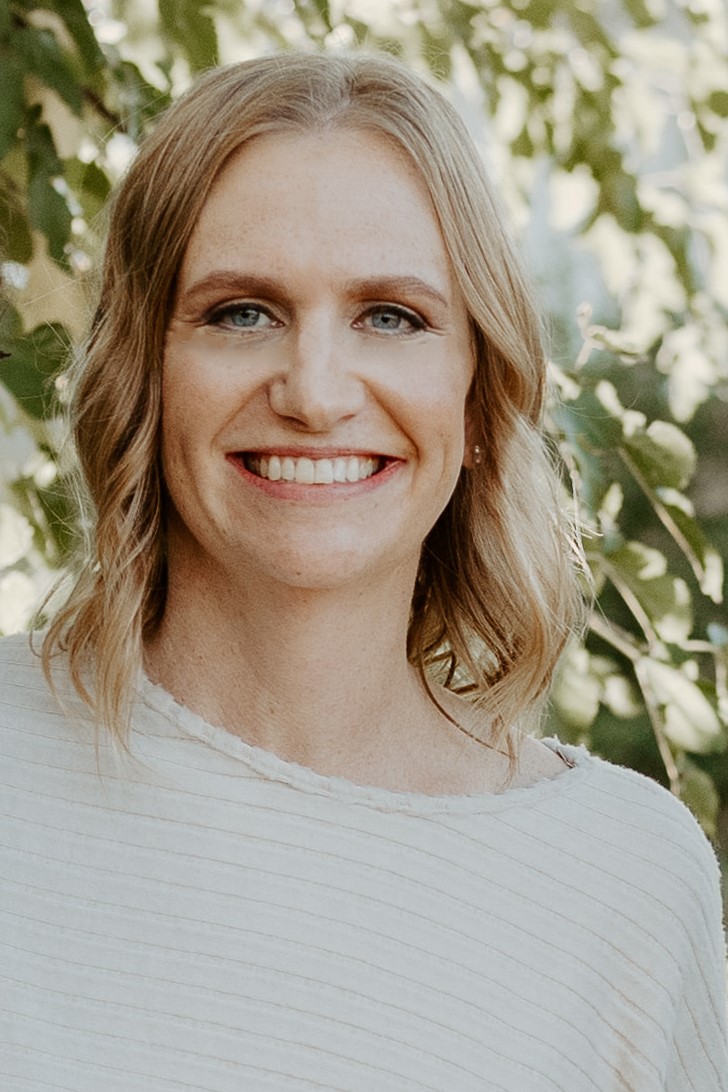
column 339, row 470
column 274, row 468
column 323, row 472
column 304, row 471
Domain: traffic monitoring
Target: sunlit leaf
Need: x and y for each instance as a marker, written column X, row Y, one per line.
column 576, row 691
column 16, row 535
column 664, row 455
column 707, row 562
column 691, row 720
column 664, row 598
column 589, row 422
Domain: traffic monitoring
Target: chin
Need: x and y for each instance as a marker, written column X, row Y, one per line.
column 331, row 568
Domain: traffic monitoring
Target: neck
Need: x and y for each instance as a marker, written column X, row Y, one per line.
column 319, row 677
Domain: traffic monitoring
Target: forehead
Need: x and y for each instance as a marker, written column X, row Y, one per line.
column 352, row 199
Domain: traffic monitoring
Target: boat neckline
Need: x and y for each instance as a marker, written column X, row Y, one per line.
column 267, row 764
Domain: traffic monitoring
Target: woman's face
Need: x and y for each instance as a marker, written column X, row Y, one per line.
column 316, row 367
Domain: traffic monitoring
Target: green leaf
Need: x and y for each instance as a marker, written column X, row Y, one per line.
column 35, row 359
column 590, row 31
column 60, row 519
column 137, row 100
column 707, row 563
column 48, row 211
column 89, row 184
column 640, row 13
column 589, row 422
column 322, row 7
column 40, row 147
column 73, row 14
column 618, row 196
column 523, row 146
column 663, row 454
column 44, row 57
column 17, row 241
column 698, row 791
column 187, row 24
column 539, row 12
column 718, row 103
column 664, row 598
column 691, row 721
column 11, row 97
column 663, row 460
column 49, row 214
column 591, row 430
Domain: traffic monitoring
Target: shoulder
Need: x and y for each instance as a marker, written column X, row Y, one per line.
column 26, row 699
column 634, row 827
column 641, row 803
column 20, row 663
column 618, row 797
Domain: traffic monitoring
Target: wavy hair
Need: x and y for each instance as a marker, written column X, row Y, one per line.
column 496, row 594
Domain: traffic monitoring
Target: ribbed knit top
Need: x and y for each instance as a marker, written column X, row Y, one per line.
column 206, row 916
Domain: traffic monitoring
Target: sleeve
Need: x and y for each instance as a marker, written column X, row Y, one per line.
column 698, row 1060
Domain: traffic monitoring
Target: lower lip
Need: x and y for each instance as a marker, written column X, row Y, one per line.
column 321, row 493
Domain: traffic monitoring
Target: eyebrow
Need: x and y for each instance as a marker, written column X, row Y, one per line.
column 368, row 287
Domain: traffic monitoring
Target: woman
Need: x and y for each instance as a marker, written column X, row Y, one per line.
column 293, row 856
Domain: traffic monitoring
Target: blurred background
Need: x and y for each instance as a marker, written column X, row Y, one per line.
column 604, row 124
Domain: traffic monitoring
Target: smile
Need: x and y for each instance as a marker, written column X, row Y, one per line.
column 305, row 471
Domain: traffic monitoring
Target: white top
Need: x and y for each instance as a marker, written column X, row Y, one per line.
column 207, row 916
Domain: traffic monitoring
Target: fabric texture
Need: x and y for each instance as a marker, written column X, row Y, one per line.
column 203, row 915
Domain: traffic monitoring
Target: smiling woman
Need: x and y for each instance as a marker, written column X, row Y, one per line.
column 349, row 359
column 274, row 819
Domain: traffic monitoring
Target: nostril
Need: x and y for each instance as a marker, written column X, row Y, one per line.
column 316, row 395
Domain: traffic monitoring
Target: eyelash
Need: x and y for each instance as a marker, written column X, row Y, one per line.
column 219, row 315
column 416, row 322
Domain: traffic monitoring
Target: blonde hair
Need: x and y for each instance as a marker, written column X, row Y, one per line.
column 496, row 595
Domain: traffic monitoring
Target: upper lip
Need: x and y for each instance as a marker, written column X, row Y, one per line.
column 288, row 451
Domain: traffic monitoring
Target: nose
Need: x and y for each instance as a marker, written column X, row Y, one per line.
column 316, row 387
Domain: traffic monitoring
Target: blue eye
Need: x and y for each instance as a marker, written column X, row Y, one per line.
column 241, row 316
column 394, row 320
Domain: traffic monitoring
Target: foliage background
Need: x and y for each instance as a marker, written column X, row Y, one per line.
column 604, row 125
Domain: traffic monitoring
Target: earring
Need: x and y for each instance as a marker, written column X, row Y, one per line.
column 477, row 455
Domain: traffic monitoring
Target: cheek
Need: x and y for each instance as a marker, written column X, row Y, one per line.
column 440, row 408
column 197, row 394
column 180, row 394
